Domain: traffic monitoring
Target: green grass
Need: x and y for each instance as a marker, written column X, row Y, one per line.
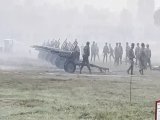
column 29, row 95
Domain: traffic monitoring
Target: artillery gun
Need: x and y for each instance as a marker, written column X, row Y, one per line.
column 66, row 60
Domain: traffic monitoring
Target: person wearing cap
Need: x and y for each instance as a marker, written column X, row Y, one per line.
column 86, row 54
column 131, row 56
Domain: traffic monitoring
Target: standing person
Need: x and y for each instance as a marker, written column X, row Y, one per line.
column 86, row 55
column 111, row 52
column 131, row 56
column 148, row 53
column 97, row 51
column 127, row 52
column 116, row 54
column 120, row 53
column 142, row 59
column 93, row 51
column 76, row 51
column 137, row 52
column 105, row 53
column 82, row 52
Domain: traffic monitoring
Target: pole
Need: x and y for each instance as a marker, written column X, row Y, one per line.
column 131, row 89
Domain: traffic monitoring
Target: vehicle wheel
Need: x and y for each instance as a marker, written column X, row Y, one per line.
column 53, row 59
column 70, row 67
column 60, row 62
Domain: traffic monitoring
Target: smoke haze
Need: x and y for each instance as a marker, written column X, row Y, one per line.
column 34, row 21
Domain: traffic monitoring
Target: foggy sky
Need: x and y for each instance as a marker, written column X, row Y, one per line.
column 114, row 5
column 88, row 20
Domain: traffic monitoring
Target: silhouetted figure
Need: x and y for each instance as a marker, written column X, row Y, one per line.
column 116, row 54
column 137, row 53
column 127, row 52
column 131, row 56
column 93, row 51
column 111, row 53
column 97, row 52
column 148, row 53
column 142, row 59
column 86, row 55
column 105, row 53
column 76, row 50
column 120, row 52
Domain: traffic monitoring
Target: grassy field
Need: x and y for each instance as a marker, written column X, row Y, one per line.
column 41, row 95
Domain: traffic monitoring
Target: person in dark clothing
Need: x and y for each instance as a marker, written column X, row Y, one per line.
column 86, row 54
column 131, row 59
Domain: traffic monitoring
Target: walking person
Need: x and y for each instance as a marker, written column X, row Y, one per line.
column 111, row 53
column 97, row 51
column 120, row 50
column 148, row 53
column 86, row 54
column 131, row 59
column 127, row 52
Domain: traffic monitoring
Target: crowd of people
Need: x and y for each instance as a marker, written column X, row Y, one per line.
column 141, row 54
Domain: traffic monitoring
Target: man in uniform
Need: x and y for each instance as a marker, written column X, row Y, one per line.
column 76, row 50
column 93, row 51
column 86, row 55
column 131, row 59
column 97, row 51
column 116, row 54
column 137, row 52
column 111, row 52
column 105, row 53
column 142, row 59
column 120, row 50
column 127, row 52
column 148, row 53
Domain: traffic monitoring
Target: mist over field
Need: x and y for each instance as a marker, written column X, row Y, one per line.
column 43, row 80
column 31, row 22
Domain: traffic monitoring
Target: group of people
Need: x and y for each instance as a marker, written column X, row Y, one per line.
column 142, row 55
column 116, row 54
column 53, row 43
column 108, row 52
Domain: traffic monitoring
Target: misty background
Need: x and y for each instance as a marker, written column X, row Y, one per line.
column 31, row 22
